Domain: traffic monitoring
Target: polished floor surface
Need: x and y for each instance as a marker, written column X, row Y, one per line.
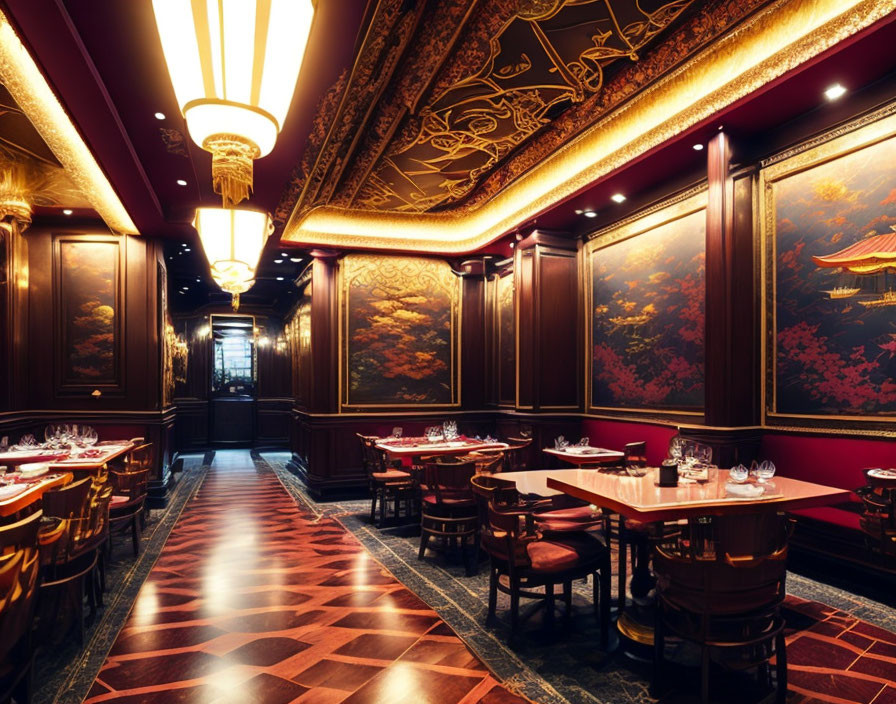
column 254, row 600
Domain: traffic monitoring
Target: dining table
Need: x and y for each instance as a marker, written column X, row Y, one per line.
column 24, row 492
column 69, row 459
column 585, row 455
column 641, row 499
column 414, row 448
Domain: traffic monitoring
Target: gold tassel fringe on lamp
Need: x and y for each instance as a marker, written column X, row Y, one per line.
column 234, row 66
column 232, row 240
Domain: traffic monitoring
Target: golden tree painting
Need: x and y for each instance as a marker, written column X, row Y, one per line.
column 399, row 331
column 89, row 308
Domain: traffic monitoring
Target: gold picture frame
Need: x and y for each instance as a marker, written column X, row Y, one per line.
column 410, row 282
column 863, row 133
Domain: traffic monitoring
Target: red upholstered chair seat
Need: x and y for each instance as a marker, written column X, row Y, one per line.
column 391, row 475
column 558, row 554
column 577, row 518
column 450, row 497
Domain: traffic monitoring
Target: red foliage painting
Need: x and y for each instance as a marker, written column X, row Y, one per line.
column 89, row 309
column 399, row 322
column 835, row 328
column 648, row 318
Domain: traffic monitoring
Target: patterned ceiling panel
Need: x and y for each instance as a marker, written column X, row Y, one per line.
column 448, row 103
column 550, row 56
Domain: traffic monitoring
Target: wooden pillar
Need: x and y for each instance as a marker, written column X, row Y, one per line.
column 324, row 332
column 732, row 325
column 475, row 348
column 549, row 337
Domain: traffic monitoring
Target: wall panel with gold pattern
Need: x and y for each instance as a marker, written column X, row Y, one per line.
column 399, row 332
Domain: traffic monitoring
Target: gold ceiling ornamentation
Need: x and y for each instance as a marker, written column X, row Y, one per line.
column 548, row 56
column 25, row 83
column 767, row 45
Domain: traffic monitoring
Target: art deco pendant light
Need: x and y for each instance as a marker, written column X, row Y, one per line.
column 234, row 66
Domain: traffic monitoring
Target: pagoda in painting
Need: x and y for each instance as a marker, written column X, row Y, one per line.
column 871, row 256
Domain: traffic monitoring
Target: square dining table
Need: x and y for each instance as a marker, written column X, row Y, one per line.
column 586, row 456
column 642, row 499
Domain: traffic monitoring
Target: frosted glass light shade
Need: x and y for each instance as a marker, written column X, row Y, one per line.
column 232, row 240
column 234, row 63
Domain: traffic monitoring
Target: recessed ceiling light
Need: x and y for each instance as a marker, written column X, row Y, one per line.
column 698, row 147
column 188, row 250
column 184, row 244
column 181, row 182
column 278, row 261
column 578, row 211
column 589, row 214
column 284, row 255
column 617, row 198
column 67, row 211
column 279, row 278
column 160, row 116
column 295, row 260
column 186, row 288
column 835, row 91
column 512, row 245
column 198, row 281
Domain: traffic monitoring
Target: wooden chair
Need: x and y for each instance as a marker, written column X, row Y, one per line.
column 387, row 485
column 878, row 519
column 81, row 510
column 19, row 570
column 448, row 506
column 631, row 537
column 531, row 560
column 488, row 461
column 128, row 500
column 517, row 456
column 720, row 585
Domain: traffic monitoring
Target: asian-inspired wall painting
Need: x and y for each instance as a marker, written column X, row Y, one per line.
column 647, row 312
column 400, row 319
column 831, row 251
column 506, row 340
column 89, row 308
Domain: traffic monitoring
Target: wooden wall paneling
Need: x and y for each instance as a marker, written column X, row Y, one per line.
column 549, row 335
column 525, row 307
column 473, row 338
column 324, row 367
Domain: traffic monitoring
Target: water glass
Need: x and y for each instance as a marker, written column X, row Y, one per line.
column 561, row 443
column 396, row 432
column 584, row 442
column 738, row 474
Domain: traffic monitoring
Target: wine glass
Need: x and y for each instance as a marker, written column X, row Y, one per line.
column 561, row 443
column 89, row 436
column 738, row 474
column 584, row 441
column 396, row 432
column 765, row 471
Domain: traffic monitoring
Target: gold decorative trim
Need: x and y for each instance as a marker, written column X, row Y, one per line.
column 768, row 45
column 21, row 76
column 364, row 263
column 858, row 134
